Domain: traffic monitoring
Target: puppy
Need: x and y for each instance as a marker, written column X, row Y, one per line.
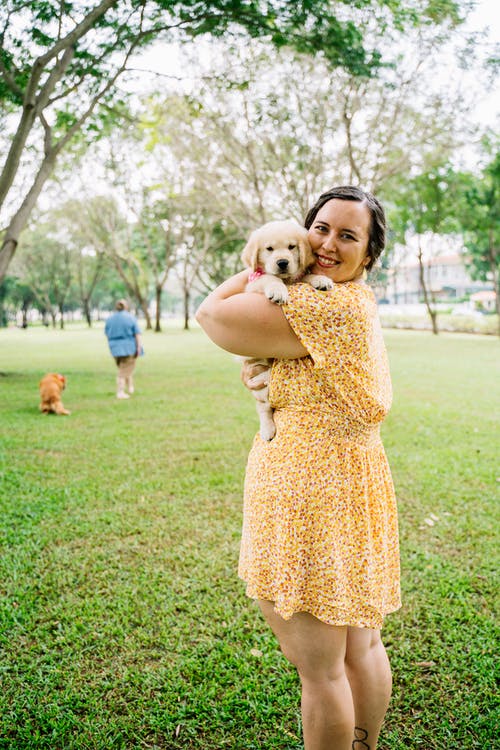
column 278, row 254
column 51, row 386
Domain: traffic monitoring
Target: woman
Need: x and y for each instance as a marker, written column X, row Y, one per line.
column 124, row 339
column 320, row 541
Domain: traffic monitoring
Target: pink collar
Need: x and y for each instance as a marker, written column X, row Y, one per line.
column 253, row 275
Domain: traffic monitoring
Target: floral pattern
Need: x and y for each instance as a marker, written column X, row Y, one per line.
column 320, row 531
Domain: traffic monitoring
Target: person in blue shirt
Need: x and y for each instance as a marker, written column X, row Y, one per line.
column 124, row 339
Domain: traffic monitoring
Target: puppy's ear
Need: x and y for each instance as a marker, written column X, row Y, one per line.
column 306, row 256
column 251, row 251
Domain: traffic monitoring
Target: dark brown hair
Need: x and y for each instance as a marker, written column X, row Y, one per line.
column 376, row 240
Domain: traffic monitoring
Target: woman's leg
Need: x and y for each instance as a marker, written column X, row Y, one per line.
column 128, row 372
column 120, row 378
column 369, row 675
column 318, row 652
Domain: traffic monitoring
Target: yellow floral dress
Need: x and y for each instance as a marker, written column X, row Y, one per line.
column 320, row 532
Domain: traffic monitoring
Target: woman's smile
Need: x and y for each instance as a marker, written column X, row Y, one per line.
column 339, row 238
column 325, row 262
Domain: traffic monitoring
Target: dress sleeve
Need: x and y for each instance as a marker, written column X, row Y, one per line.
column 324, row 321
column 341, row 332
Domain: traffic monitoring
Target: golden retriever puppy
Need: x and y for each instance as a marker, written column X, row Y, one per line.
column 51, row 386
column 277, row 254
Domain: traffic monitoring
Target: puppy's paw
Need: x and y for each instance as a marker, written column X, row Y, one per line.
column 259, row 381
column 267, row 431
column 318, row 281
column 277, row 294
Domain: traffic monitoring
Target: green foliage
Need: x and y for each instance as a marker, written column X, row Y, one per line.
column 426, row 202
column 122, row 621
column 437, row 11
column 309, row 27
column 446, row 201
column 480, row 219
column 15, row 296
column 223, row 258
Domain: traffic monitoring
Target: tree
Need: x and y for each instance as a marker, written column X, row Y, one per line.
column 88, row 264
column 107, row 232
column 45, row 266
column 22, row 298
column 479, row 218
column 266, row 147
column 196, row 238
column 223, row 257
column 262, row 155
column 60, row 64
column 154, row 233
column 426, row 205
column 15, row 296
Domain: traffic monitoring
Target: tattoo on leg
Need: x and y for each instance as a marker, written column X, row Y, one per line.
column 359, row 741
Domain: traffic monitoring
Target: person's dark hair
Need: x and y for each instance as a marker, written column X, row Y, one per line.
column 376, row 241
column 121, row 304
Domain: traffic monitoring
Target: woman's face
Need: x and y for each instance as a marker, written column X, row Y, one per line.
column 339, row 238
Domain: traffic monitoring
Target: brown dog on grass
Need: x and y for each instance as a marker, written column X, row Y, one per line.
column 51, row 386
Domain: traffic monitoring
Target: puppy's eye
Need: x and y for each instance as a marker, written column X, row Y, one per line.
column 270, row 248
column 292, row 247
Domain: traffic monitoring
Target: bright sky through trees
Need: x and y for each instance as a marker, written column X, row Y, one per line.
column 168, row 60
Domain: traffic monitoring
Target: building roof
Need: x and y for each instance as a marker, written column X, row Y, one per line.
column 483, row 296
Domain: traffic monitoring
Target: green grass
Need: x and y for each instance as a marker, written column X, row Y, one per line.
column 123, row 623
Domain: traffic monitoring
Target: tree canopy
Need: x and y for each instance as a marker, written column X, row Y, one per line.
column 480, row 222
column 60, row 62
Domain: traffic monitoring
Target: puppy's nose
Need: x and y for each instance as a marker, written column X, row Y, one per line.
column 282, row 264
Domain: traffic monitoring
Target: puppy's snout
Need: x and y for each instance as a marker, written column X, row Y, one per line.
column 282, row 264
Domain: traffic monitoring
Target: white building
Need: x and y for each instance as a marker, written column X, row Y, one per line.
column 484, row 301
column 446, row 279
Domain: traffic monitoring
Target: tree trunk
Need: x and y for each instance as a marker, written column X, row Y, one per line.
column 496, row 278
column 86, row 311
column 35, row 98
column 186, row 308
column 20, row 218
column 144, row 307
column 61, row 319
column 158, row 291
column 432, row 313
column 53, row 316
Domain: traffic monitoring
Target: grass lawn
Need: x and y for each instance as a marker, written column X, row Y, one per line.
column 123, row 623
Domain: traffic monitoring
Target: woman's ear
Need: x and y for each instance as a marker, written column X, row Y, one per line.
column 250, row 251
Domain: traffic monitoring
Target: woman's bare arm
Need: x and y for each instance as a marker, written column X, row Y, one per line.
column 247, row 323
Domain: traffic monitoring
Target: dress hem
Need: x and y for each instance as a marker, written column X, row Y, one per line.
column 320, row 611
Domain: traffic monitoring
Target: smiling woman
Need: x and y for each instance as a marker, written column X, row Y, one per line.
column 319, row 548
column 346, row 232
column 339, row 237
